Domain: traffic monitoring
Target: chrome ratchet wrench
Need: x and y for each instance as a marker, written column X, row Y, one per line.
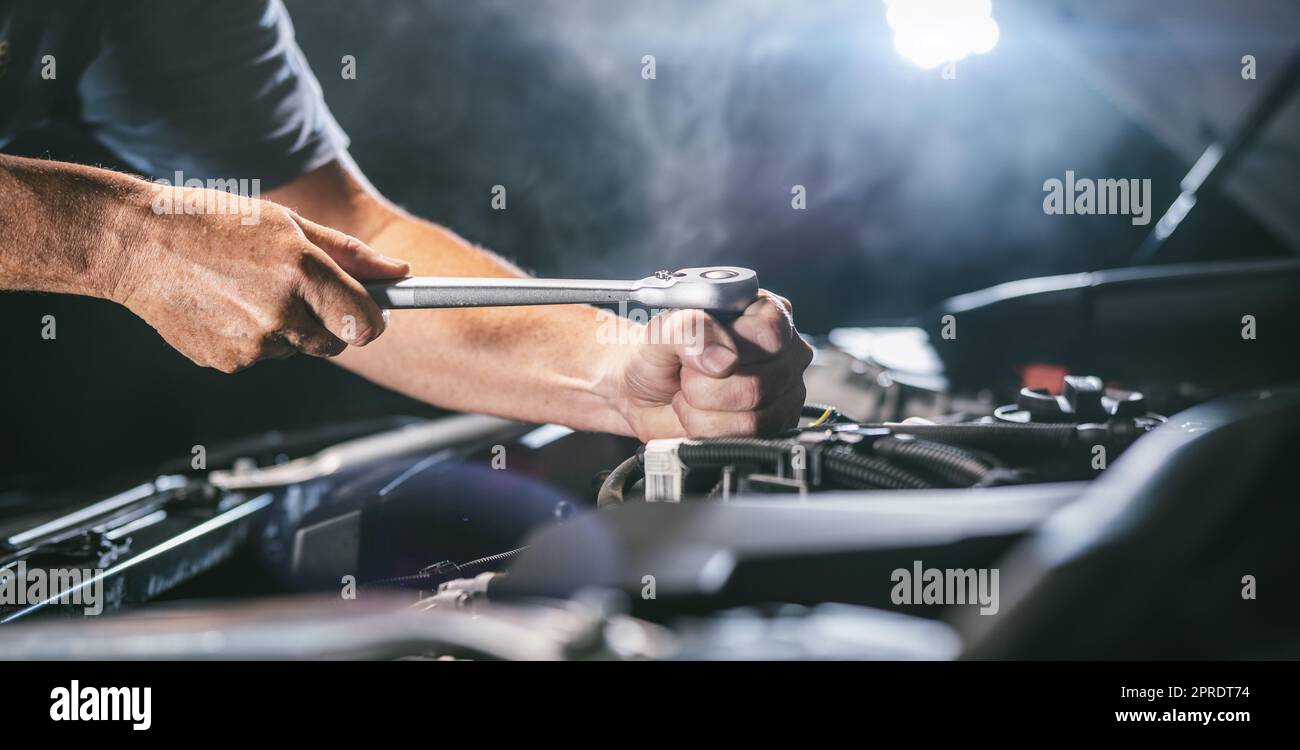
column 715, row 288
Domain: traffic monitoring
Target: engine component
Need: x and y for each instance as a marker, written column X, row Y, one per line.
column 1084, row 399
column 1043, row 437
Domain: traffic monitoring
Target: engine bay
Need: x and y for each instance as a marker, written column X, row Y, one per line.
column 921, row 510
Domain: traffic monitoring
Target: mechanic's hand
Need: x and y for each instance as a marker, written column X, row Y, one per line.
column 227, row 293
column 693, row 375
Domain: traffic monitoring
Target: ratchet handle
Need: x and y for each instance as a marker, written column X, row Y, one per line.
column 462, row 291
column 717, row 289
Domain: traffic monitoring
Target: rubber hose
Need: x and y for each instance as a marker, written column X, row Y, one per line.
column 870, row 473
column 611, row 490
column 725, row 451
column 993, row 436
column 953, row 465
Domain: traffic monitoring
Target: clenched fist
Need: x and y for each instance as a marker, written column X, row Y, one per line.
column 227, row 293
column 694, row 375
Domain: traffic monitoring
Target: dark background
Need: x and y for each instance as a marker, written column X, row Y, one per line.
column 917, row 187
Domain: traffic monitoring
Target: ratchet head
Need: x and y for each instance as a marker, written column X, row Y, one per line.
column 712, row 288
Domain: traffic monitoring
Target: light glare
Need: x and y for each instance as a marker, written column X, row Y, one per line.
column 933, row 32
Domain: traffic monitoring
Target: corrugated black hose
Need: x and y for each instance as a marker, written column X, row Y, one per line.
column 994, row 437
column 868, row 472
column 727, row 451
column 953, row 465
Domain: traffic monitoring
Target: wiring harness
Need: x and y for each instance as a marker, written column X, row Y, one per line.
column 834, row 452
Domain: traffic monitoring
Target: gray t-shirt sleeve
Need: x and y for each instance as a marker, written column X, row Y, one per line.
column 214, row 90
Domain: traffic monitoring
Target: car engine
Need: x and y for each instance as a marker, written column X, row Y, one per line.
column 932, row 504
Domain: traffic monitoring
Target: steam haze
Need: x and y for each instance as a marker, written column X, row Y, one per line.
column 917, row 187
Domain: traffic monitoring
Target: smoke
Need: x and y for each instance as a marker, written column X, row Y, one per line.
column 917, row 187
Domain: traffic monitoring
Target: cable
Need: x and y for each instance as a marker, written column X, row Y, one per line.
column 823, row 414
column 887, row 456
column 473, row 566
column 842, row 463
column 447, row 570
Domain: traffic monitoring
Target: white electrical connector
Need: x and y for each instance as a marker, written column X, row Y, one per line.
column 665, row 475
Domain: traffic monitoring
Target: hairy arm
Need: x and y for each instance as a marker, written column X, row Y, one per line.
column 62, row 224
column 223, row 291
column 551, row 364
column 538, row 364
column 227, row 292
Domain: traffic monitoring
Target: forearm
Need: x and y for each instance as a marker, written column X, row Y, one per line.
column 63, row 227
column 686, row 373
column 538, row 364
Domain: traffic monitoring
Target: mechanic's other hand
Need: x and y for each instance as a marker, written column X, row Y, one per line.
column 227, row 293
column 694, row 375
